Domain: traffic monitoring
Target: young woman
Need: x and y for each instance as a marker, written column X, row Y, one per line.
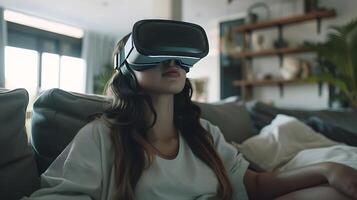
column 152, row 145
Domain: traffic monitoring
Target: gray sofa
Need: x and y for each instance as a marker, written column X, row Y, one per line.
column 18, row 170
column 58, row 115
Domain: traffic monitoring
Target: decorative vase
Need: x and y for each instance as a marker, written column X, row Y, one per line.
column 291, row 68
column 257, row 42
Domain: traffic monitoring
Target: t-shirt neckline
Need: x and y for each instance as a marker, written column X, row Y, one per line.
column 160, row 155
column 173, row 157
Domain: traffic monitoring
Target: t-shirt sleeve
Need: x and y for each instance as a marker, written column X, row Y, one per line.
column 233, row 161
column 76, row 173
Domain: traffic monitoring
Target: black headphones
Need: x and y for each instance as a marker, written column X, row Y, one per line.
column 129, row 76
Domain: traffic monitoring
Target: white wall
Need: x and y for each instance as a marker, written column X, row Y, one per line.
column 161, row 9
column 2, row 47
column 208, row 13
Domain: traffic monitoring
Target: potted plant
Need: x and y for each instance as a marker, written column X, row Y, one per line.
column 337, row 60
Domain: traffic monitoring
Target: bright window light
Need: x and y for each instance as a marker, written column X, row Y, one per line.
column 43, row 24
column 72, row 74
column 21, row 70
column 50, row 71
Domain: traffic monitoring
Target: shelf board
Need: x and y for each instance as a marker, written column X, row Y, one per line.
column 266, row 82
column 286, row 20
column 270, row 52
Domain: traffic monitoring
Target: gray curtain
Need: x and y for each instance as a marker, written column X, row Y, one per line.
column 97, row 52
column 3, row 33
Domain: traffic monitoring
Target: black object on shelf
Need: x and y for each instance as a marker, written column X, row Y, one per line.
column 280, row 43
column 311, row 5
column 253, row 15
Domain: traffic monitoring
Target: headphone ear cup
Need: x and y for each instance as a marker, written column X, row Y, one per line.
column 129, row 76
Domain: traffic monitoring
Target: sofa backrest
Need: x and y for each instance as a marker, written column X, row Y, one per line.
column 58, row 115
column 232, row 118
column 18, row 172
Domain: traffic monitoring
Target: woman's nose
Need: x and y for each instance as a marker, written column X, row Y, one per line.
column 172, row 63
column 175, row 63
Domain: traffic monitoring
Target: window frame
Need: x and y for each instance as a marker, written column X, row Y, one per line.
column 17, row 32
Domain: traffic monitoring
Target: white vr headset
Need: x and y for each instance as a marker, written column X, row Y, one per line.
column 154, row 41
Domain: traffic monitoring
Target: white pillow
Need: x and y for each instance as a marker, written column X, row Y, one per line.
column 343, row 154
column 280, row 141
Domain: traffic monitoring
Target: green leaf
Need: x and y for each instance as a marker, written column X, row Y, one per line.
column 339, row 49
column 329, row 78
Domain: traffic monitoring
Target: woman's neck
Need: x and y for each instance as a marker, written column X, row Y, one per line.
column 164, row 128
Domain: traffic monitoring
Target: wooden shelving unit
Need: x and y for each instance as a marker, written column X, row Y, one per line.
column 288, row 20
column 246, row 56
column 279, row 82
column 266, row 82
column 270, row 52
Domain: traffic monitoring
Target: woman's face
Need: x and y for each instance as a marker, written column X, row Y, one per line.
column 165, row 78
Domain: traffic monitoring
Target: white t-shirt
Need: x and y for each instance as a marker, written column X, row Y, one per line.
column 85, row 171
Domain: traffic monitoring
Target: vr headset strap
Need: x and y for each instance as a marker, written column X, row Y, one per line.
column 128, row 48
column 120, row 58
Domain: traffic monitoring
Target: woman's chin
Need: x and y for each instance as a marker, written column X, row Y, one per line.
column 173, row 91
column 167, row 91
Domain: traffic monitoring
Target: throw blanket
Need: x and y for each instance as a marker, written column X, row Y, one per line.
column 288, row 143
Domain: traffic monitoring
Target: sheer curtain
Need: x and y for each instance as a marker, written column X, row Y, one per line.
column 2, row 47
column 97, row 52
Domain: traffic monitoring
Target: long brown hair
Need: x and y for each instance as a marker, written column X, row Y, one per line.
column 127, row 119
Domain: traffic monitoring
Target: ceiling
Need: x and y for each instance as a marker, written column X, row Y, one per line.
column 113, row 17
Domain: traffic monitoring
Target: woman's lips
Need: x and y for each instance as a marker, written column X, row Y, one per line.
column 171, row 73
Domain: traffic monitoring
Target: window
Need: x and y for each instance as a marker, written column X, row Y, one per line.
column 63, row 72
column 38, row 60
column 72, row 75
column 21, row 70
column 50, row 71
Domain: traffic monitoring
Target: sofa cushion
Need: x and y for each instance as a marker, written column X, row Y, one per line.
column 280, row 141
column 57, row 117
column 18, row 171
column 339, row 125
column 335, row 132
column 232, row 118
